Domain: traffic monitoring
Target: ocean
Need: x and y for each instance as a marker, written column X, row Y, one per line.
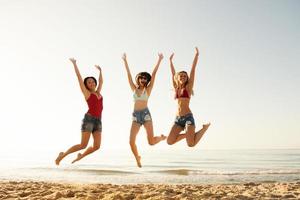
column 163, row 166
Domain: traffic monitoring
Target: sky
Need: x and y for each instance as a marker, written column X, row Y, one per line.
column 247, row 78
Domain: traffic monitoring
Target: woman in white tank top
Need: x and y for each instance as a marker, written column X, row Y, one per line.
column 141, row 114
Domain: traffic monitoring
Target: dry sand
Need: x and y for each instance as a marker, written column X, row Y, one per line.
column 48, row 190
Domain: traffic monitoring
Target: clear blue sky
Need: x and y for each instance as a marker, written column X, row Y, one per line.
column 247, row 81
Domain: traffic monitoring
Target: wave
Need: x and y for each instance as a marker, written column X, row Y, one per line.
column 89, row 171
column 186, row 172
column 101, row 171
column 179, row 170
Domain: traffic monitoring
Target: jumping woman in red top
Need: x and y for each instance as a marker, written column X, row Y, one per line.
column 91, row 123
column 183, row 85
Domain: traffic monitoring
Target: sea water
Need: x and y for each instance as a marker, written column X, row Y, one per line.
column 163, row 166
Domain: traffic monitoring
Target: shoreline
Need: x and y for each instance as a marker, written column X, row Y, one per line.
column 61, row 190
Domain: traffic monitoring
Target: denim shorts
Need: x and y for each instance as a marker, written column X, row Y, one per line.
column 141, row 116
column 187, row 119
column 91, row 124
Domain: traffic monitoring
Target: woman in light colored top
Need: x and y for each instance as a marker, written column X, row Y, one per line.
column 91, row 123
column 183, row 86
column 141, row 116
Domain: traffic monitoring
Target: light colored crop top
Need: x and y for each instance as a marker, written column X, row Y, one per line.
column 143, row 97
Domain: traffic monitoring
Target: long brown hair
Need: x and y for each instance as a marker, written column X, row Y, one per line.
column 176, row 78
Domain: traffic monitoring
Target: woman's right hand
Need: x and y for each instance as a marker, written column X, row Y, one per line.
column 197, row 51
column 171, row 57
column 73, row 61
column 160, row 56
column 124, row 57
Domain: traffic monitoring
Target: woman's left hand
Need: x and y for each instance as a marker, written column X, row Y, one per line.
column 98, row 67
column 197, row 51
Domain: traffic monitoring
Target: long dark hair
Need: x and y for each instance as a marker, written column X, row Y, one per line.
column 85, row 81
column 145, row 74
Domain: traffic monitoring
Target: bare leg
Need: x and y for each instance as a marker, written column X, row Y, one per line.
column 174, row 135
column 135, row 127
column 95, row 147
column 201, row 132
column 193, row 138
column 85, row 136
column 150, row 136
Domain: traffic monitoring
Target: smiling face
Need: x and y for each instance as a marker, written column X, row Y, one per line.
column 142, row 81
column 90, row 83
column 182, row 78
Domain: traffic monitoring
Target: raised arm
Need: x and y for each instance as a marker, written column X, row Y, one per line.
column 85, row 92
column 192, row 73
column 160, row 57
column 100, row 79
column 132, row 85
column 173, row 70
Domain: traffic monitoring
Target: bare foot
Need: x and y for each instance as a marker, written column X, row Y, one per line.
column 59, row 158
column 204, row 129
column 138, row 161
column 162, row 137
column 79, row 156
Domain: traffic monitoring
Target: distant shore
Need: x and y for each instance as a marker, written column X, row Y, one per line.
column 51, row 190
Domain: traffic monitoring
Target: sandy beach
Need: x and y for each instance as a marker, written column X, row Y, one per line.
column 48, row 190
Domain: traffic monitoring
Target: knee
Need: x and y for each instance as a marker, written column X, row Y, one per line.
column 132, row 143
column 96, row 147
column 83, row 146
column 190, row 144
column 170, row 142
column 151, row 142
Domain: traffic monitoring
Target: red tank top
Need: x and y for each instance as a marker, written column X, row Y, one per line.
column 182, row 94
column 95, row 105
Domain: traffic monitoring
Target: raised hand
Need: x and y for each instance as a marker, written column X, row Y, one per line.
column 171, row 57
column 100, row 79
column 124, row 57
column 73, row 60
column 160, row 56
column 197, row 51
column 98, row 67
